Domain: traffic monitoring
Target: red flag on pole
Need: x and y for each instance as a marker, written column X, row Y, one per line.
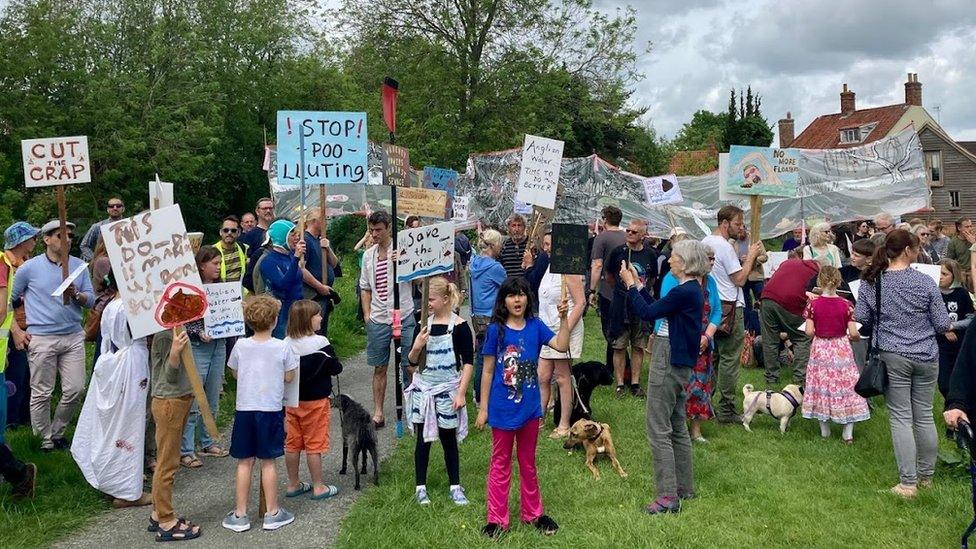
column 390, row 91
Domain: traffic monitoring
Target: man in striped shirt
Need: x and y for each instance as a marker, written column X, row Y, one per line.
column 513, row 249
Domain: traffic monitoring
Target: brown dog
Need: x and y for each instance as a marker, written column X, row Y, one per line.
column 595, row 438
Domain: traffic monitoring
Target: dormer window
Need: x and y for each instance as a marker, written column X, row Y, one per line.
column 850, row 135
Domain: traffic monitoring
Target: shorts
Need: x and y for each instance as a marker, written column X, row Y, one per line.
column 635, row 335
column 307, row 427
column 379, row 336
column 258, row 435
column 575, row 345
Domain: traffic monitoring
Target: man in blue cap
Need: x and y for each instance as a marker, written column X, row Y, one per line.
column 19, row 241
column 280, row 271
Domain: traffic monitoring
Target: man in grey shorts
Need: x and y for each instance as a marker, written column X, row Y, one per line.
column 376, row 281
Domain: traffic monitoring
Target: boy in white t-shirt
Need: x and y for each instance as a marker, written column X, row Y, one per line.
column 262, row 366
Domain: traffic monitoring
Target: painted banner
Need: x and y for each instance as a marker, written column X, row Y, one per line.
column 335, row 147
column 148, row 251
column 425, row 251
column 396, row 165
column 763, row 171
column 225, row 315
column 442, row 179
column 422, row 202
column 539, row 172
column 162, row 191
column 56, row 161
column 662, row 190
column 569, row 249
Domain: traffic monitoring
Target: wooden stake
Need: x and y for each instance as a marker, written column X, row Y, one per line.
column 324, row 209
column 755, row 211
column 65, row 245
column 424, row 313
column 197, row 384
column 159, row 190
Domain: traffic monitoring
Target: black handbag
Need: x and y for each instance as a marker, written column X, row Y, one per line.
column 874, row 379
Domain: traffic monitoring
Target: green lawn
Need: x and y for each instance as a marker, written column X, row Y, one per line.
column 758, row 489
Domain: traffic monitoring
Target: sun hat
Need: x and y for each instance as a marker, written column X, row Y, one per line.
column 18, row 233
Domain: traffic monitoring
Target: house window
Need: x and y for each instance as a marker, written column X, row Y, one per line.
column 933, row 168
column 953, row 200
column 850, row 135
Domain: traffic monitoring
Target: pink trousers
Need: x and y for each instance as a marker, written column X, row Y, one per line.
column 525, row 440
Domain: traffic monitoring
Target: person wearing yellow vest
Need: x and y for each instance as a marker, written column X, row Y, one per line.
column 19, row 240
column 233, row 256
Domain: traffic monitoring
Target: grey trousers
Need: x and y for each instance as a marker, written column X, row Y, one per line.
column 50, row 356
column 667, row 423
column 728, row 349
column 773, row 319
column 911, row 388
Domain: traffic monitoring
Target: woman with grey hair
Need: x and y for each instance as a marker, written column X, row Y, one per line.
column 926, row 254
column 821, row 245
column 671, row 363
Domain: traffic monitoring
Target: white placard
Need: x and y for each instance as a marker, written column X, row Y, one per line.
column 148, row 251
column 539, row 175
column 855, row 286
column 460, row 209
column 425, row 251
column 56, row 161
column 934, row 271
column 162, row 191
column 662, row 190
column 773, row 261
column 71, row 278
column 225, row 310
column 522, row 208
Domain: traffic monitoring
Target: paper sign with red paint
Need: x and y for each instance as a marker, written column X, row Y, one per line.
column 56, row 161
column 335, row 148
column 179, row 304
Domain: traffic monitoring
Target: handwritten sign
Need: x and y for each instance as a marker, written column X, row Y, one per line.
column 763, row 171
column 422, row 202
column 181, row 303
column 539, row 174
column 522, row 208
column 460, row 209
column 425, row 251
column 335, row 147
column 662, row 190
column 56, row 161
column 225, row 312
column 773, row 261
column 569, row 243
column 441, row 179
column 148, row 251
column 396, row 165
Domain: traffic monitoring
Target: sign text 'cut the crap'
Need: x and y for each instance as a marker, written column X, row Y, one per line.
column 55, row 161
column 335, row 147
column 425, row 251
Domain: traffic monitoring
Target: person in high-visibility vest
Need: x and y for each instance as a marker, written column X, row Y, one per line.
column 19, row 246
column 18, row 237
column 233, row 256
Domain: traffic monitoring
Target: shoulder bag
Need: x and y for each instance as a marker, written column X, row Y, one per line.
column 874, row 379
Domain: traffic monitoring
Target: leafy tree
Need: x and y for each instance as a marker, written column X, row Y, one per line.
column 705, row 129
column 748, row 126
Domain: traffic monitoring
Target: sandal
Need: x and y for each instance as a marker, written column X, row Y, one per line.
column 181, row 531
column 329, row 492
column 303, row 488
column 214, row 451
column 154, row 524
column 558, row 433
column 191, row 461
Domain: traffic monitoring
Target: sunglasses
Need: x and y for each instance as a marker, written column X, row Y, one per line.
column 225, row 230
column 631, row 231
column 115, row 206
column 57, row 234
column 711, row 258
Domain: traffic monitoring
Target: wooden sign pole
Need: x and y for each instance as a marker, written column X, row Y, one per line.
column 159, row 190
column 197, row 384
column 755, row 211
column 63, row 234
column 424, row 314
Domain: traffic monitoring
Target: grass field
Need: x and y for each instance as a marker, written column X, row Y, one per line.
column 759, row 489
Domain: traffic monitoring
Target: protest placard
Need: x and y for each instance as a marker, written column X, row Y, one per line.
column 148, row 251
column 773, row 261
column 425, row 251
column 763, row 171
column 396, row 165
column 160, row 194
column 225, row 312
column 522, row 208
column 460, row 214
column 539, row 172
column 933, row 271
column 422, row 202
column 335, row 147
column 569, row 243
column 441, row 179
column 662, row 190
column 56, row 161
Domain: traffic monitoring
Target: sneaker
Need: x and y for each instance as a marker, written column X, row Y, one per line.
column 638, row 392
column 546, row 525
column 905, row 491
column 277, row 520
column 421, row 497
column 700, row 440
column 924, row 482
column 686, row 495
column 492, row 530
column 620, row 392
column 235, row 523
column 458, row 497
column 663, row 505
column 61, row 443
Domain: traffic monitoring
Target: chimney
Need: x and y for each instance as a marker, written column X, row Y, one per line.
column 786, row 132
column 847, row 101
column 913, row 90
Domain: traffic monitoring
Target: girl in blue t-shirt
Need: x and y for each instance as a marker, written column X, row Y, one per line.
column 511, row 403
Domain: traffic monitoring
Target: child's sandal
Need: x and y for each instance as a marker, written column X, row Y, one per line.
column 181, row 531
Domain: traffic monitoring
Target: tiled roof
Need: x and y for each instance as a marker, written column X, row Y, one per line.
column 824, row 132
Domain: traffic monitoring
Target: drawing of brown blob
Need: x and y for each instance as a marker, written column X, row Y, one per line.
column 182, row 307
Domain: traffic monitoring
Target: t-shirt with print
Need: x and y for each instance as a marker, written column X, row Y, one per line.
column 958, row 304
column 603, row 244
column 261, row 367
column 515, row 397
column 726, row 265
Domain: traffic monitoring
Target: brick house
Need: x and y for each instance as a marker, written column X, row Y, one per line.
column 951, row 165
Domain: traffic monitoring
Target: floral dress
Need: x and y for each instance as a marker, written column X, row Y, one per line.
column 699, row 387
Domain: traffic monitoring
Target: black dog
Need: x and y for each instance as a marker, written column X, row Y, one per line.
column 359, row 434
column 588, row 376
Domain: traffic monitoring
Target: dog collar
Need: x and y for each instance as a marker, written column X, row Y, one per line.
column 599, row 433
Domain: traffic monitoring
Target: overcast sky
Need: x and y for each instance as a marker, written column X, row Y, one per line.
column 799, row 54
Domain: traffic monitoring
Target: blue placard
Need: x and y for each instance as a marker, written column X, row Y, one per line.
column 763, row 171
column 335, row 147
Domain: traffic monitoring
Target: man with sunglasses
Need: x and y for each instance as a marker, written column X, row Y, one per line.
column 115, row 210
column 233, row 256
column 57, row 340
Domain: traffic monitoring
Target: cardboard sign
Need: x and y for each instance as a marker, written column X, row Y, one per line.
column 539, row 175
column 773, row 261
column 396, row 165
column 335, row 147
column 56, row 161
column 422, row 202
column 225, row 312
column 162, row 191
column 763, row 171
column 662, row 190
column 568, row 255
column 442, row 179
column 148, row 252
column 425, row 251
column 460, row 214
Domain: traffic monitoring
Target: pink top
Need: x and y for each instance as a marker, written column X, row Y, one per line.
column 830, row 316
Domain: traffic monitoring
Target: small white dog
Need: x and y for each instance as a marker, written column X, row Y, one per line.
column 782, row 405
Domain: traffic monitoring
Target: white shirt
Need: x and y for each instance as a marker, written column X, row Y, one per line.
column 380, row 310
column 261, row 367
column 726, row 265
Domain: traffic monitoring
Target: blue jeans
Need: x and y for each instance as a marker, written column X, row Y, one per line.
column 211, row 358
column 18, row 372
column 752, row 291
column 3, row 408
